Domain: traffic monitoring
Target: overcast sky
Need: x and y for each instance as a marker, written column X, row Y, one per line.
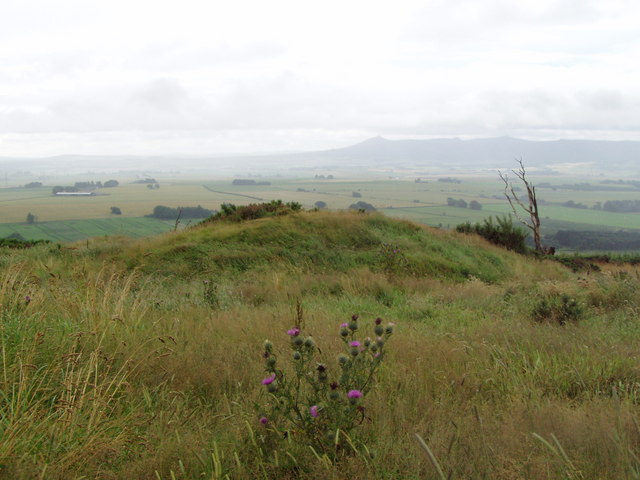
column 203, row 77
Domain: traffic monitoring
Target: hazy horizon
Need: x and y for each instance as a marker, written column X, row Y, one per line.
column 202, row 78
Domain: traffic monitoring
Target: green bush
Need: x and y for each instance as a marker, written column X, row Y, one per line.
column 503, row 233
column 559, row 308
column 253, row 211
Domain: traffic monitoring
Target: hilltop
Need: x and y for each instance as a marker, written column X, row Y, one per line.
column 144, row 358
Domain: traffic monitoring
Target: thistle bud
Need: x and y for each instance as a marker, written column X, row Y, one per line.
column 297, row 356
column 268, row 346
column 343, row 360
column 309, row 343
column 379, row 330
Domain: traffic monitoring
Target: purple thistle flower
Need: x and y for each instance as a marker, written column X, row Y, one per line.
column 355, row 343
column 314, row 411
column 294, row 332
column 344, row 325
column 354, row 394
column 264, row 420
column 27, row 299
column 378, row 321
column 269, row 380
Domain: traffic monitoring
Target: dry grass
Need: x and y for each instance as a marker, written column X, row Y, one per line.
column 110, row 371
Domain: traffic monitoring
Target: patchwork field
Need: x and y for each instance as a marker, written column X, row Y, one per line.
column 425, row 201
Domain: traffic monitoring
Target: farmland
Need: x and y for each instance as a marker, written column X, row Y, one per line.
column 424, row 201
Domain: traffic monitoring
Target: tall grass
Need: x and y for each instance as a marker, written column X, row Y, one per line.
column 121, row 359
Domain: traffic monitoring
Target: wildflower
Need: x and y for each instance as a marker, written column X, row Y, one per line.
column 344, row 325
column 389, row 329
column 378, row 321
column 321, row 367
column 269, row 380
column 355, row 343
column 264, row 420
column 354, row 394
column 297, row 356
column 293, row 332
column 314, row 411
column 333, row 385
column 27, row 299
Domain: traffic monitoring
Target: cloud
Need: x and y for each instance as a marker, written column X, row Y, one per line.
column 283, row 71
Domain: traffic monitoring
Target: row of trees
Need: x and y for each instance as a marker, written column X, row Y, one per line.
column 80, row 186
column 167, row 213
column 461, row 203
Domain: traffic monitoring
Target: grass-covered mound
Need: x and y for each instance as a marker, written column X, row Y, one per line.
column 322, row 242
column 144, row 358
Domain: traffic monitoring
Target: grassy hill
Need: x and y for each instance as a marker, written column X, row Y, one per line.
column 144, row 358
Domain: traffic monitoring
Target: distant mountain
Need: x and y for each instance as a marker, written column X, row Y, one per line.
column 609, row 157
column 489, row 153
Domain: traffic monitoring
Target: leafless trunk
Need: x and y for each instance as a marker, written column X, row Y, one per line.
column 531, row 208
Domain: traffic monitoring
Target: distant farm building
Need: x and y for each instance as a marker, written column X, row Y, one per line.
column 75, row 194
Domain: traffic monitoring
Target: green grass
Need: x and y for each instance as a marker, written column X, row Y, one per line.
column 142, row 358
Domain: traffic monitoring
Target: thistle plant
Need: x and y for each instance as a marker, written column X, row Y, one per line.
column 393, row 259
column 309, row 400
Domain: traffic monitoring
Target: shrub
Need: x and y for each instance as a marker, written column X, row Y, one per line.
column 560, row 308
column 253, row 211
column 503, row 233
column 306, row 399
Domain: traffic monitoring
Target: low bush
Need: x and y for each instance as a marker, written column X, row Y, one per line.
column 560, row 308
column 503, row 233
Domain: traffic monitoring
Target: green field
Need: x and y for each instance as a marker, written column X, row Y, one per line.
column 424, row 202
column 74, row 230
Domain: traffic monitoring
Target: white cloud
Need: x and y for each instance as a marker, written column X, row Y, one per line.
column 201, row 76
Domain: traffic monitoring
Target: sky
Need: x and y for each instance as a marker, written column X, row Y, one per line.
column 247, row 76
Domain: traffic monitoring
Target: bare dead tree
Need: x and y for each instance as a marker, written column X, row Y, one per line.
column 531, row 207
